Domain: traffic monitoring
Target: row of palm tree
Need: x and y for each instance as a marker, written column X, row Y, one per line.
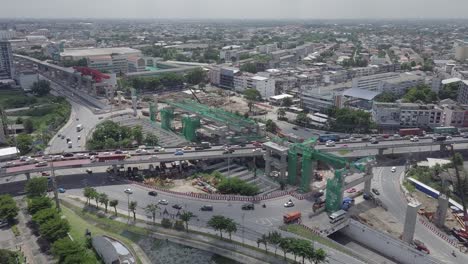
column 100, row 198
column 298, row 247
column 221, row 223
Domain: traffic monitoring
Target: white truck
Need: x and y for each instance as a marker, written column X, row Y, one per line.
column 70, row 145
column 79, row 127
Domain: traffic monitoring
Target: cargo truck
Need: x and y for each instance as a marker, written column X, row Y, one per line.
column 291, row 217
column 411, row 132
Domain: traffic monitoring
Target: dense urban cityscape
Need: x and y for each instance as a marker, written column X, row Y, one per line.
column 206, row 140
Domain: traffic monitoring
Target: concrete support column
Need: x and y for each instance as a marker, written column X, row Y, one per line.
column 381, row 151
column 134, row 105
column 268, row 161
column 441, row 212
column 284, row 166
column 368, row 185
column 114, row 168
column 28, row 175
column 410, row 222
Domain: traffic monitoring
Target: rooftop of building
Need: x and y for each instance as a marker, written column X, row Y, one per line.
column 83, row 52
column 259, row 78
column 450, row 80
column 403, row 78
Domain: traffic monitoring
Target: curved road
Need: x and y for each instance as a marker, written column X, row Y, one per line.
column 392, row 196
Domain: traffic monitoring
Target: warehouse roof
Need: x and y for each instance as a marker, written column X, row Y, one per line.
column 361, row 93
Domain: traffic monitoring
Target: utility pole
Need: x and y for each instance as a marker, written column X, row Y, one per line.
column 54, row 186
column 243, row 216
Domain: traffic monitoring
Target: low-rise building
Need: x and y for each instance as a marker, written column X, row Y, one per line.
column 27, row 79
column 462, row 97
column 401, row 84
column 372, row 82
column 455, row 115
column 112, row 251
column 323, row 98
column 392, row 116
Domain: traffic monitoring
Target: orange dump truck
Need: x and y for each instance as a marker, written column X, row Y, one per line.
column 291, row 217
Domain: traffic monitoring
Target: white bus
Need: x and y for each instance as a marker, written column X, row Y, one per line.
column 337, row 216
column 79, row 127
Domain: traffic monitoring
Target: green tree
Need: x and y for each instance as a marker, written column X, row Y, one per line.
column 186, row 216
column 274, row 238
column 36, row 187
column 89, row 192
column 349, row 120
column 264, row 241
column 114, row 203
column 287, row 102
column 41, row 88
column 318, row 256
column 8, row 208
column 44, row 215
column 249, row 67
column 250, row 104
column 28, row 126
column 271, row 126
column 54, row 229
column 252, row 94
column 8, row 257
column 281, row 112
column 64, row 248
column 151, row 139
column 285, row 245
column 152, row 209
column 413, row 64
column 95, row 196
column 386, row 97
column 196, row 76
column 104, row 199
column 166, row 223
column 37, row 204
column 420, row 93
column 302, row 119
column 231, row 227
column 24, row 143
column 449, row 91
column 218, row 223
column 132, row 207
column 138, row 134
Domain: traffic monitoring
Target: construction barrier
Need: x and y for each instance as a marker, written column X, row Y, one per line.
column 208, row 196
column 439, row 233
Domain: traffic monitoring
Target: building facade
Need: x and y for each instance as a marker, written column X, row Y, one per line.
column 461, row 50
column 392, row 116
column 401, row 84
column 372, row 82
column 7, row 70
column 27, row 79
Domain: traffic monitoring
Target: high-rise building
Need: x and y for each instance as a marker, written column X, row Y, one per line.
column 461, row 49
column 7, row 70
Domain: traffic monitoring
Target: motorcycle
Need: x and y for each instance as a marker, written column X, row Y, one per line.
column 264, row 205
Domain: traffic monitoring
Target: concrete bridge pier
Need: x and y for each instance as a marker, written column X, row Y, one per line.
column 284, row 166
column 28, row 175
column 410, row 222
column 381, row 150
column 268, row 161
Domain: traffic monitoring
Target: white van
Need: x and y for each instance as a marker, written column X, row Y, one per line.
column 337, row 216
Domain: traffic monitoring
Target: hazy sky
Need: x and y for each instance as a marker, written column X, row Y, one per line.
column 261, row 9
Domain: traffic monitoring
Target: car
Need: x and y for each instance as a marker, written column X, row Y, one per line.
column 106, row 153
column 154, row 157
column 248, row 206
column 61, row 190
column 295, row 128
column 289, row 204
column 414, row 139
column 449, row 137
column 68, row 154
column 152, row 193
column 41, row 164
column 177, row 206
column 31, row 161
column 100, row 117
column 24, row 158
column 242, row 144
column 62, row 137
column 187, row 148
column 93, row 153
column 206, row 208
column 257, row 150
column 375, row 141
column 128, row 191
column 89, row 171
column 45, row 174
column 163, row 202
column 351, row 190
column 142, row 151
column 9, row 164
column 118, row 151
column 179, row 153
column 375, row 191
column 228, row 151
column 77, row 119
column 393, row 169
column 345, row 146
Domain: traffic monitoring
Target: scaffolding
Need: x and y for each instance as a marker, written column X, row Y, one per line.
column 167, row 115
column 189, row 127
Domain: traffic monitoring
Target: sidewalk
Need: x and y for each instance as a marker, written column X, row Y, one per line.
column 218, row 246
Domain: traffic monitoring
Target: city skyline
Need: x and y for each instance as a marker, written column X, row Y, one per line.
column 241, row 9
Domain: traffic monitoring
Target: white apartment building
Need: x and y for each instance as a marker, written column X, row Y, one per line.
column 461, row 49
column 462, row 97
column 7, row 34
column 267, row 48
column 455, row 115
column 372, row 82
column 27, row 79
column 363, row 71
column 401, row 84
column 265, row 85
column 214, row 75
column 227, row 53
column 396, row 115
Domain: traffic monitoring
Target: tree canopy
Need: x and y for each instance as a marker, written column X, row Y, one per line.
column 420, row 93
column 449, row 91
column 8, row 208
column 349, row 120
column 110, row 135
column 24, row 143
column 36, row 187
column 41, row 88
column 252, row 95
column 386, row 97
column 196, row 76
column 249, row 67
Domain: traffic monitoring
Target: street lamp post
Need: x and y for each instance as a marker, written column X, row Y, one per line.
column 128, row 205
column 54, row 186
column 243, row 216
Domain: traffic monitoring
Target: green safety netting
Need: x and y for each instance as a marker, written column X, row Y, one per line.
column 189, row 127
column 167, row 115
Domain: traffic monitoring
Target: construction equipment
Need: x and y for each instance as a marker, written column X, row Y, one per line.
column 95, row 74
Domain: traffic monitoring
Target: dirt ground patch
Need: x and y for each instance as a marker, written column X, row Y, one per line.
column 378, row 218
column 429, row 204
column 185, row 186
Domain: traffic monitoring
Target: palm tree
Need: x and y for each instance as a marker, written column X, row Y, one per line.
column 231, row 227
column 319, row 256
column 281, row 113
column 104, row 199
column 217, row 222
column 186, row 216
column 152, row 209
column 275, row 238
column 114, row 203
column 259, row 241
column 250, row 104
column 265, row 241
column 88, row 193
column 285, row 245
column 132, row 207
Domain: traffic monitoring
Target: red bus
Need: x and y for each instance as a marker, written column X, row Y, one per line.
column 104, row 158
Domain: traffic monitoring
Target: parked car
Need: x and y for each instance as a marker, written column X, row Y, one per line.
column 61, row 190
column 206, row 208
column 375, row 191
column 289, row 204
column 128, row 191
column 152, row 193
column 393, row 169
column 68, row 154
column 163, row 202
column 248, row 206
